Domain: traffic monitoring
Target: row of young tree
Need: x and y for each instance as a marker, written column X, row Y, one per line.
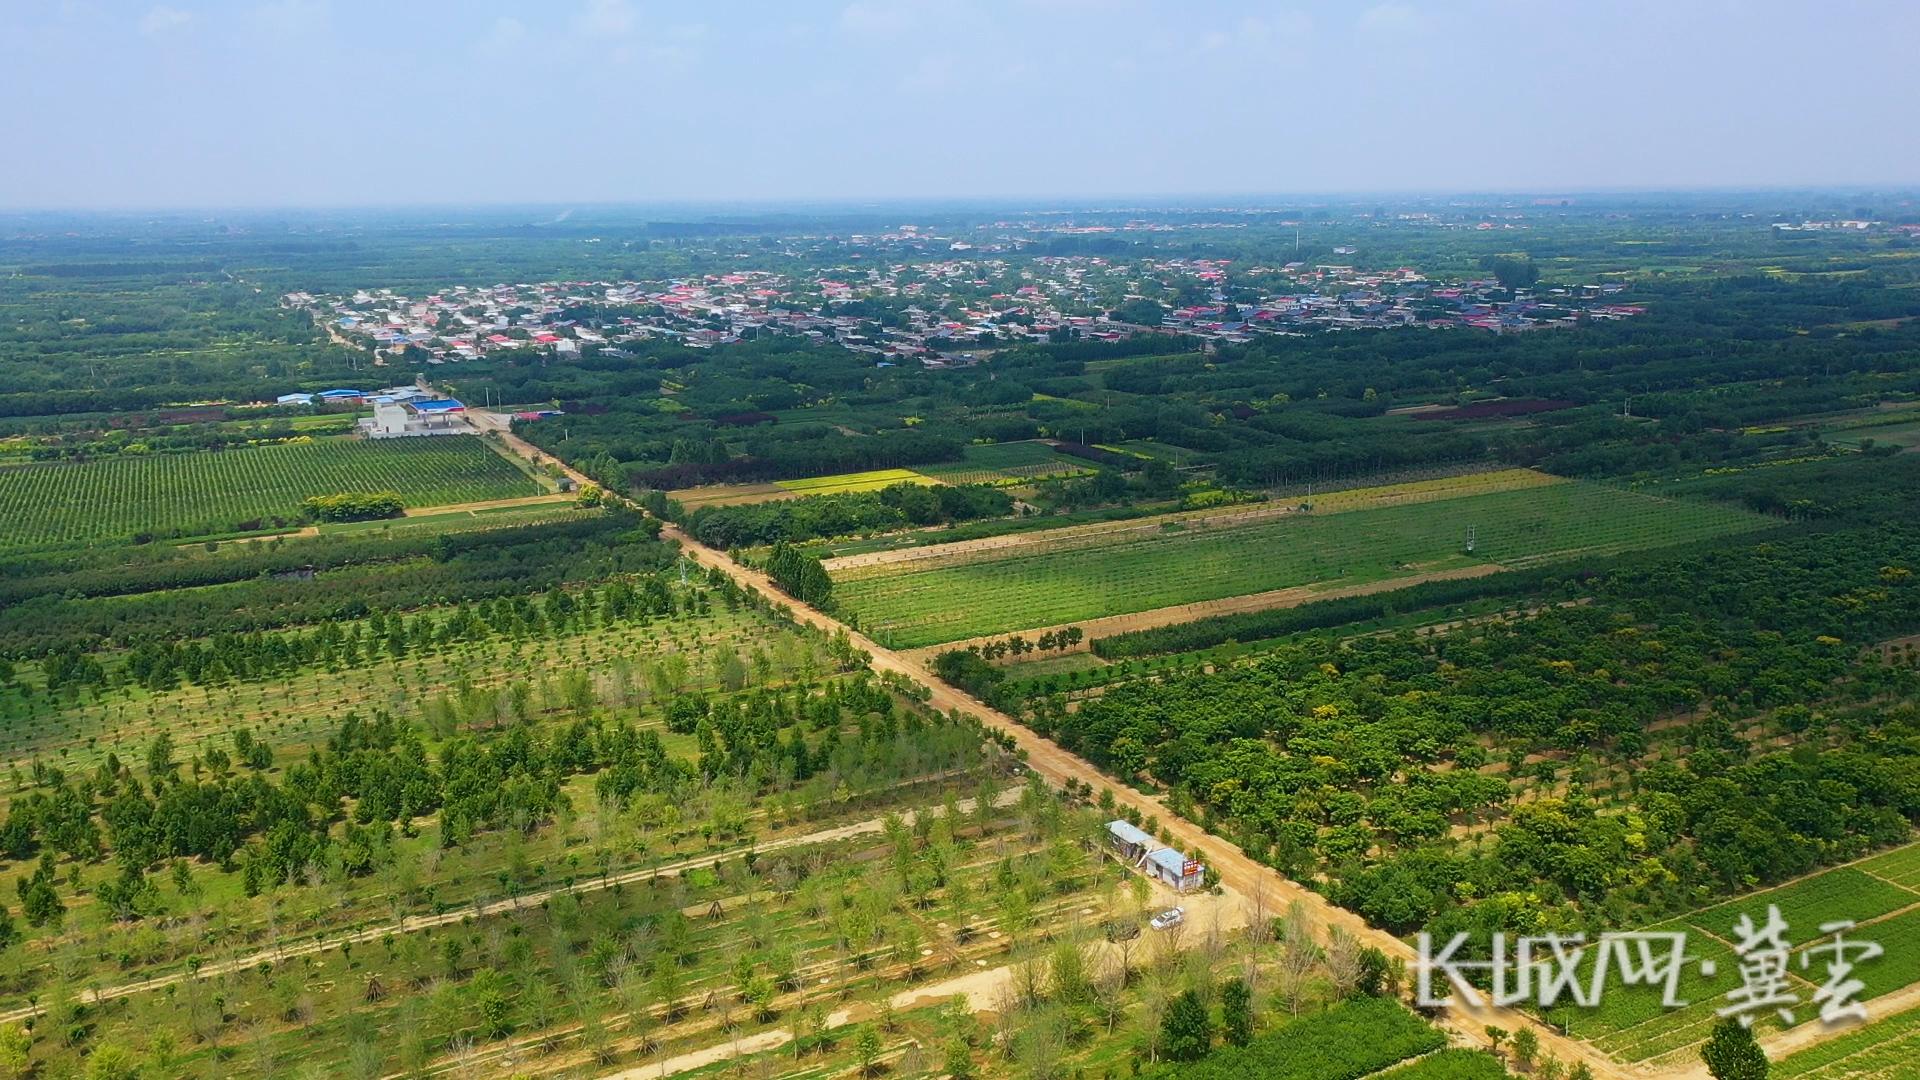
column 376, row 778
column 800, row 575
column 382, row 635
column 819, row 516
column 304, row 585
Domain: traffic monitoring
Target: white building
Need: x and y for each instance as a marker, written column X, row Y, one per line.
column 397, row 419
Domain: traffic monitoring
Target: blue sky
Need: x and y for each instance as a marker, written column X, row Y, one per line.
column 118, row 103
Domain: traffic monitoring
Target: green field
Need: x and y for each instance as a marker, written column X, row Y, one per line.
column 1004, row 463
column 1840, row 893
column 208, row 493
column 1351, row 1039
column 1139, row 570
column 1886, row 1048
column 1178, row 455
column 1900, row 866
column 1455, row 1063
column 1631, row 1025
column 1899, row 434
column 843, row 483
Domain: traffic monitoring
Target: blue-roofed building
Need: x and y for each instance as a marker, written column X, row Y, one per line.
column 1174, row 868
column 1130, row 840
column 1139, row 849
column 343, row 395
column 394, row 419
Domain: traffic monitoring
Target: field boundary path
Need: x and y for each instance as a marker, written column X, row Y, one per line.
column 1102, row 533
column 1294, row 596
column 967, row 550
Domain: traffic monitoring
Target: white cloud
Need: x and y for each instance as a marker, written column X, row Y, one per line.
column 162, row 19
column 932, row 74
column 1392, row 17
column 293, row 18
column 1278, row 24
column 607, row 18
column 503, row 37
column 875, row 17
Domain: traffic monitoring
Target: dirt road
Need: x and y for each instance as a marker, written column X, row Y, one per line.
column 1236, row 869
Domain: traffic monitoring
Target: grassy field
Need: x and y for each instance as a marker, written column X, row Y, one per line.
column 209, row 493
column 996, row 463
column 1882, row 1051
column 1452, row 1064
column 1631, row 1025
column 1895, row 434
column 1004, row 463
column 1178, row 455
column 843, row 483
column 1139, row 570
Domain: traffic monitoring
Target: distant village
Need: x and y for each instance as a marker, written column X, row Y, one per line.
column 942, row 311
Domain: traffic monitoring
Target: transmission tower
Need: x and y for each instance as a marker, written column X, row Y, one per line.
column 1471, row 537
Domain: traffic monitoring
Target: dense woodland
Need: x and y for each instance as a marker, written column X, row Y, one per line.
column 1730, row 700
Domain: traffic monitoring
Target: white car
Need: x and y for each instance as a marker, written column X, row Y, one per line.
column 1168, row 919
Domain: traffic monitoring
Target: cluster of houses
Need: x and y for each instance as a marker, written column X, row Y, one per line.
column 398, row 411
column 936, row 310
column 1337, row 297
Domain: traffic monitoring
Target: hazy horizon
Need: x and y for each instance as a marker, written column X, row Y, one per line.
column 340, row 104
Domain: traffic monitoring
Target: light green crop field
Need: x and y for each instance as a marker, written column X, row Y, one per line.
column 208, row 493
column 1630, row 1024
column 1142, row 570
column 843, row 483
column 1907, row 434
column 1885, row 1049
column 1004, row 463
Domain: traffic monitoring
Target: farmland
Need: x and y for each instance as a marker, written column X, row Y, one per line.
column 1115, row 573
column 443, row 893
column 1585, row 624
column 1004, row 463
column 1349, row 1041
column 1631, row 1025
column 1885, row 1050
column 637, row 952
column 843, row 483
column 628, row 666
column 184, row 495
